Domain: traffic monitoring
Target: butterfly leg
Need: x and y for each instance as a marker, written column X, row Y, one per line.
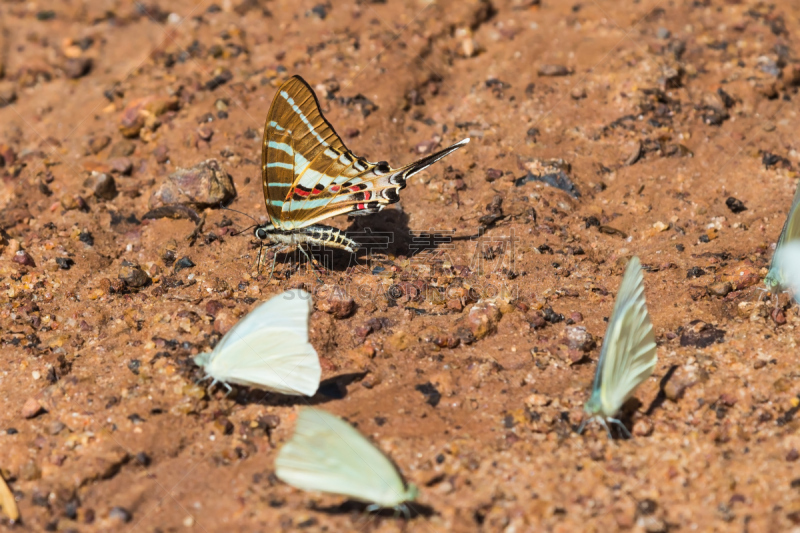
column 278, row 249
column 621, row 425
column 372, row 508
column 406, row 511
column 602, row 422
column 583, row 425
column 310, row 262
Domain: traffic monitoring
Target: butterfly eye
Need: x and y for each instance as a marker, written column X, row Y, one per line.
column 261, row 234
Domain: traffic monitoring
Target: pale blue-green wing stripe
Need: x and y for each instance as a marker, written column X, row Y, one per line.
column 277, row 159
column 316, row 187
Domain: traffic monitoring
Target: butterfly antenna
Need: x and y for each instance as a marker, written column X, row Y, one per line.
column 235, row 211
column 242, row 231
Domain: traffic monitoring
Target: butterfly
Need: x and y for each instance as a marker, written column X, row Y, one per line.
column 268, row 349
column 628, row 356
column 309, row 175
column 326, row 454
column 787, row 261
column 776, row 279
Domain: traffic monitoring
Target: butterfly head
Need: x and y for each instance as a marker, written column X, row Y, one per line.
column 262, row 233
column 773, row 280
column 411, row 492
column 594, row 405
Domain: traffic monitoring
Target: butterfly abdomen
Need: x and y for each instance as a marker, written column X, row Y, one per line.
column 319, row 235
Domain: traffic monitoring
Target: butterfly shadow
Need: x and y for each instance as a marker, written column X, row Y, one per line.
column 661, row 396
column 333, row 388
column 413, row 510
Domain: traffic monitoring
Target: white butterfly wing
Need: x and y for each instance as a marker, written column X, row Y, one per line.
column 273, row 360
column 327, row 454
column 269, row 348
column 629, row 351
column 787, row 262
column 286, row 312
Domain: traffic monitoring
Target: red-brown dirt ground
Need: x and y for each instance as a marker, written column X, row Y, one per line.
column 463, row 357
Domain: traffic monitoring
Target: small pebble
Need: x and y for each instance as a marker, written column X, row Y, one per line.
column 23, row 258
column 120, row 514
column 133, row 276
column 778, row 316
column 205, row 133
column 493, row 174
column 719, row 289
column 77, row 67
column 31, row 408
column 579, row 339
column 554, row 70
column 96, row 144
column 121, row 165
column 643, row 428
column 161, row 153
column 578, row 93
column 102, row 185
column 335, row 301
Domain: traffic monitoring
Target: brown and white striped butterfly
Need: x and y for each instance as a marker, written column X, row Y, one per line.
column 308, row 174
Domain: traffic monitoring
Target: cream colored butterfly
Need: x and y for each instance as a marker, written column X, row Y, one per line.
column 628, row 356
column 268, row 349
column 326, row 454
column 775, row 279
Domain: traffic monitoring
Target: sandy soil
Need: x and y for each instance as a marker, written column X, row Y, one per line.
column 660, row 111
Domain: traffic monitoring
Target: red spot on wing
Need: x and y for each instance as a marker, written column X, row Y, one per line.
column 317, row 191
column 360, row 206
column 301, row 192
column 367, row 195
column 335, row 188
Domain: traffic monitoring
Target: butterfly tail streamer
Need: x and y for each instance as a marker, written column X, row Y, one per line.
column 400, row 175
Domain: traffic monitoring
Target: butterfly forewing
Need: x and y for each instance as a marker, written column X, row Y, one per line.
column 310, row 175
column 327, row 454
column 628, row 356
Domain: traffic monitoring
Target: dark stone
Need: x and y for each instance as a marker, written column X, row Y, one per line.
column 432, row 395
column 220, row 79
column 701, row 335
column 735, row 205
column 551, row 316
column 64, row 263
column 86, row 238
column 182, row 263
column 695, row 272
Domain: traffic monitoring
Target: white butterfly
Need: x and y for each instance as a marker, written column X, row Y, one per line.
column 268, row 349
column 326, row 454
column 786, row 261
column 628, row 356
column 775, row 279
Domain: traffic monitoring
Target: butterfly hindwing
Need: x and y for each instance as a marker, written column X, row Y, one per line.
column 327, row 454
column 310, row 175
